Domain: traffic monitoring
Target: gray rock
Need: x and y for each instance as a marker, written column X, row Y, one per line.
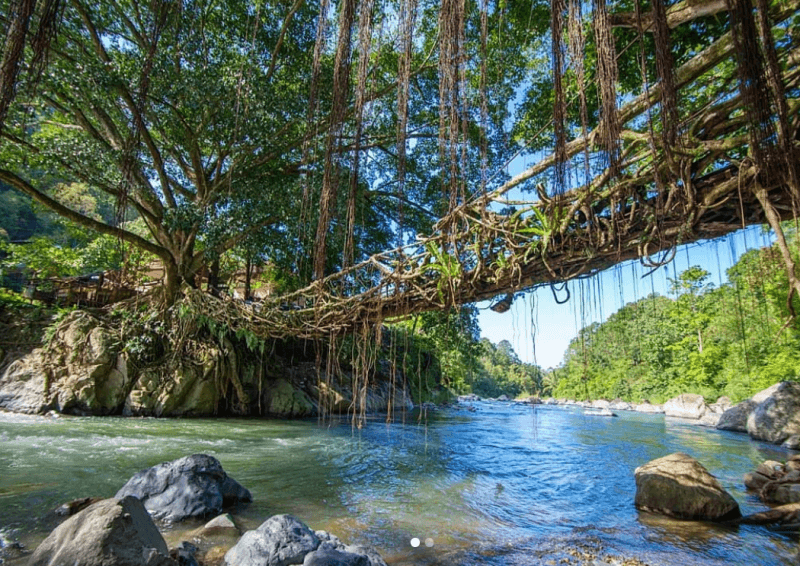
column 679, row 486
column 648, row 408
column 192, row 486
column 710, row 420
column 22, row 386
column 777, row 416
column 184, row 554
column 374, row 559
column 792, row 443
column 281, row 540
column 735, row 418
column 686, row 406
column 112, row 532
column 721, row 405
column 765, row 394
column 328, row 555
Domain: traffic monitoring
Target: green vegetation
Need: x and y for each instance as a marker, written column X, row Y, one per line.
column 733, row 340
column 442, row 355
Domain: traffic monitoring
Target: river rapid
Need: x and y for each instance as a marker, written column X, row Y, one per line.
column 494, row 483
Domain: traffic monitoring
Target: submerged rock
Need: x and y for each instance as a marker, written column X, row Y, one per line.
column 777, row 415
column 282, row 540
column 782, row 515
column 192, row 486
column 112, row 532
column 679, row 486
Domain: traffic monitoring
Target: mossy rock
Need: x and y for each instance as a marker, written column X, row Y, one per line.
column 286, row 401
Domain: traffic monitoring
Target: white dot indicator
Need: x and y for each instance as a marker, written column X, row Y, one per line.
column 415, row 542
column 429, row 542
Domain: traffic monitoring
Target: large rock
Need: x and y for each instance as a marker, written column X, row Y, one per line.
column 187, row 390
column 287, row 401
column 80, row 371
column 282, row 540
column 648, row 408
column 86, row 373
column 22, row 386
column 112, row 532
column 328, row 555
column 735, row 418
column 279, row 541
column 720, row 405
column 686, row 406
column 192, row 486
column 777, row 416
column 679, row 486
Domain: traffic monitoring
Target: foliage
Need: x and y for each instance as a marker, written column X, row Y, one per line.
column 733, row 340
column 442, row 349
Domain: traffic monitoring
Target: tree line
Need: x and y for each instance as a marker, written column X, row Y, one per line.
column 733, row 340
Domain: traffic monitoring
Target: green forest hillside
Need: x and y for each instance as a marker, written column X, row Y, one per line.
column 732, row 340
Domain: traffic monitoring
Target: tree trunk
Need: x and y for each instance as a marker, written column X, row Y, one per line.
column 213, row 278
column 248, row 270
column 172, row 282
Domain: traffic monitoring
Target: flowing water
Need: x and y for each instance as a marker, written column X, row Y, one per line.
column 497, row 484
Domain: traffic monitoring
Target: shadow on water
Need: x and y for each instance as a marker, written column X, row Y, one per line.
column 498, row 484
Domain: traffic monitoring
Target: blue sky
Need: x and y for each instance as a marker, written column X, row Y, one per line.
column 540, row 329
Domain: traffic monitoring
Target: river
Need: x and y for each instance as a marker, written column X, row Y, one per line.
column 499, row 484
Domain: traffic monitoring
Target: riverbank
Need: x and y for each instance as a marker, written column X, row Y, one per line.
column 112, row 364
column 771, row 415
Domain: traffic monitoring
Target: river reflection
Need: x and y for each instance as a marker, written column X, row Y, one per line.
column 498, row 484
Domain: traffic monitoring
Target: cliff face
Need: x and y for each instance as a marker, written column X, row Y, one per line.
column 86, row 369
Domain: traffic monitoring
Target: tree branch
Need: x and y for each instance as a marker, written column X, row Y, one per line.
column 24, row 187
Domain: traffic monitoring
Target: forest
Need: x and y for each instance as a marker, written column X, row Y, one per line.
column 734, row 340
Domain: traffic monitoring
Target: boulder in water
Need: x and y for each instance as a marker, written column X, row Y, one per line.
column 328, row 555
column 112, row 532
column 686, row 406
column 735, row 418
column 777, row 415
column 646, row 407
column 192, row 486
column 679, row 486
column 282, row 540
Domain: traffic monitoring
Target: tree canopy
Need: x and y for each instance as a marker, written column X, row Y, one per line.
column 325, row 132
